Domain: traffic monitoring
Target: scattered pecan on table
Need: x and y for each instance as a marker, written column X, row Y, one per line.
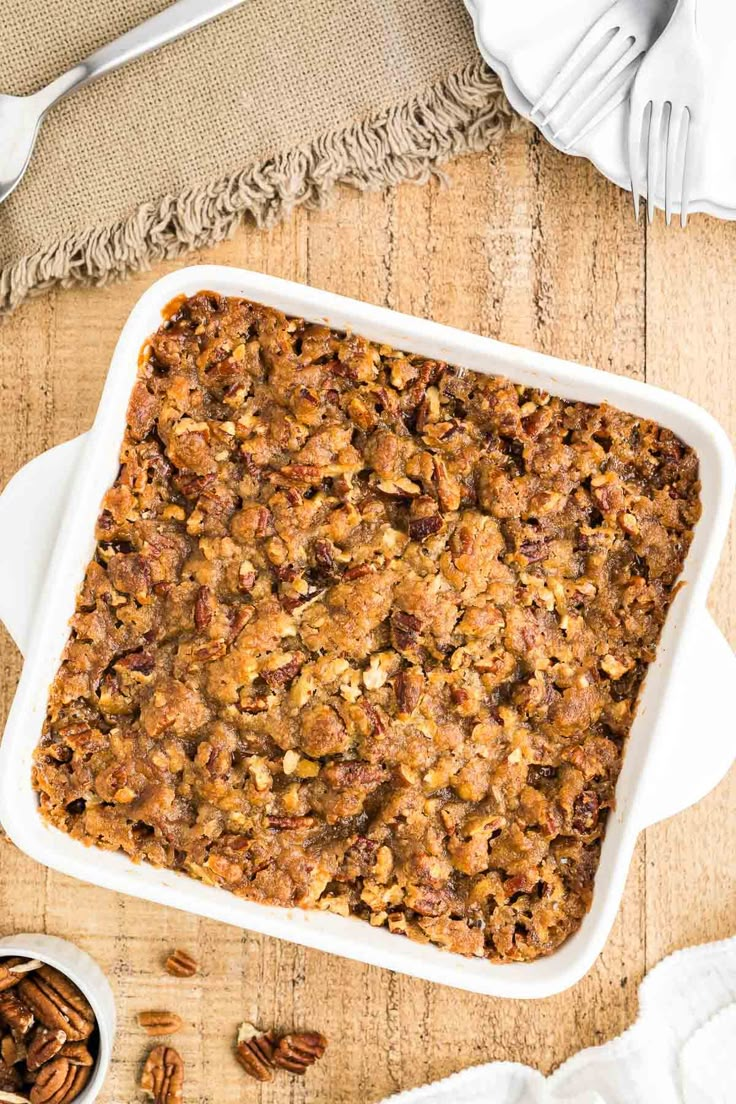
column 299, row 1050
column 254, row 1051
column 160, row 1023
column 260, row 1052
column 181, row 964
column 47, row 1030
column 163, row 1076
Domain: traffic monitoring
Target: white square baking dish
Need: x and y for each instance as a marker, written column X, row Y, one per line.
column 47, row 516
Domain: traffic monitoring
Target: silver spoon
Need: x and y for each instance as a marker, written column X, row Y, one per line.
column 21, row 116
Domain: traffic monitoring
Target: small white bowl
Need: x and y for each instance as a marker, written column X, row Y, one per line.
column 89, row 978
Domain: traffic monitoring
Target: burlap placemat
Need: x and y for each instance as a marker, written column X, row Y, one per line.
column 265, row 108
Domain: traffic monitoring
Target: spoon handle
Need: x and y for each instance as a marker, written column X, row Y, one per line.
column 173, row 22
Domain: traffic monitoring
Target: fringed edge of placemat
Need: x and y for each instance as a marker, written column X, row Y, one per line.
column 464, row 112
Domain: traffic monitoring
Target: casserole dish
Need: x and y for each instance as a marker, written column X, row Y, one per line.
column 61, row 493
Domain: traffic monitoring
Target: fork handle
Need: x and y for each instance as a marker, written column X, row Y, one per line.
column 173, row 22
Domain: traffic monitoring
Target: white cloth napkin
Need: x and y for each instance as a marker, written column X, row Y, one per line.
column 680, row 1050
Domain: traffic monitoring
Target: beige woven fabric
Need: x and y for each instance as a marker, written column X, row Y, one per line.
column 264, row 108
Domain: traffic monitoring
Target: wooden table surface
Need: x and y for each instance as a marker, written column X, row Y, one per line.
column 527, row 246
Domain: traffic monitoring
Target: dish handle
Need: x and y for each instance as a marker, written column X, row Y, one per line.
column 31, row 509
column 702, row 746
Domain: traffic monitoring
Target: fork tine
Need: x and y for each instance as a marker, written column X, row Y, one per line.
column 556, row 88
column 674, row 134
column 579, row 97
column 618, row 96
column 655, row 133
column 636, row 130
column 582, row 91
column 689, row 162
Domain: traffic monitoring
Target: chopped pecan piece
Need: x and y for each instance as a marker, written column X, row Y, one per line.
column 139, row 663
column 355, row 772
column 405, row 629
column 163, row 1076
column 247, row 576
column 181, row 964
column 585, row 811
column 324, row 556
column 255, row 1050
column 209, row 652
column 374, row 717
column 192, row 486
column 160, row 1023
column 422, row 527
column 357, row 571
column 298, row 1051
column 239, row 618
column 533, row 551
column 408, row 687
column 301, row 473
column 289, row 823
column 362, row 855
column 203, row 608
column 282, row 676
column 257, row 704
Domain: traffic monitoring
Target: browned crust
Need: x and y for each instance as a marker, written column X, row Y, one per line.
column 364, row 631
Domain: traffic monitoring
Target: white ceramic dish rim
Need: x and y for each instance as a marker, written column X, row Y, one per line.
column 81, row 969
column 654, row 783
column 607, row 156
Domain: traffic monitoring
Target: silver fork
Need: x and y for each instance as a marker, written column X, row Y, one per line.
column 21, row 116
column 668, row 107
column 598, row 73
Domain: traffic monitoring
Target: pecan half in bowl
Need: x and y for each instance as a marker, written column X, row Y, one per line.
column 57, row 1022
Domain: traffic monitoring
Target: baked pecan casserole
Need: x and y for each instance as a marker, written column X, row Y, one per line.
column 364, row 631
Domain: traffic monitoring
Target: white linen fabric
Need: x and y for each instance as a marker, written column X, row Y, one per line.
column 680, row 1050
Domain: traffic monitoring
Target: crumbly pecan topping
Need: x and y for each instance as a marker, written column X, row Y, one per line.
column 45, row 1026
column 364, row 631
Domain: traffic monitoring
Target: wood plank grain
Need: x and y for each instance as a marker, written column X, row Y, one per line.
column 524, row 245
column 691, row 334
